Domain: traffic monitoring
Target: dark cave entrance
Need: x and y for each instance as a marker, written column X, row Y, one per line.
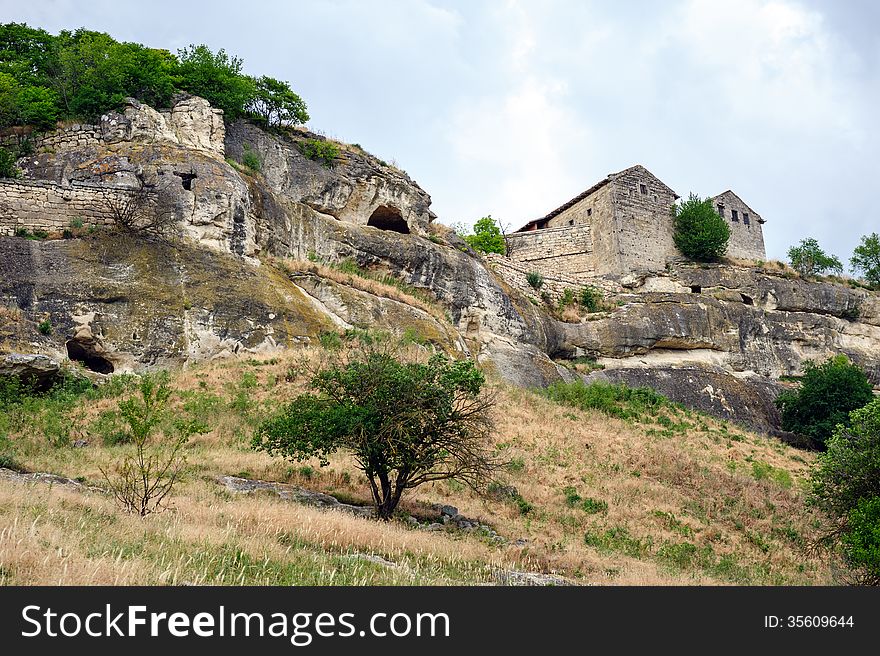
column 186, row 179
column 388, row 218
column 92, row 361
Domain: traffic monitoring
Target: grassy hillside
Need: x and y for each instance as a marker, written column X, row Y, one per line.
column 653, row 495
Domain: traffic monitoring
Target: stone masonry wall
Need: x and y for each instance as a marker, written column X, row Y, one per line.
column 746, row 239
column 643, row 224
column 37, row 205
column 565, row 251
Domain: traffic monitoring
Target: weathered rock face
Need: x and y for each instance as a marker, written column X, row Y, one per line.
column 357, row 189
column 35, row 370
column 713, row 337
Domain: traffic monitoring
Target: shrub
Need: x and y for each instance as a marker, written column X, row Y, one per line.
column 406, row 423
column 274, row 103
column 700, row 233
column 45, row 327
column 567, row 298
column 251, row 159
column 535, row 280
column 866, row 258
column 8, row 169
column 143, row 481
column 808, row 259
column 76, row 223
column 591, row 299
column 487, row 237
column 828, row 393
column 319, row 150
column 846, row 484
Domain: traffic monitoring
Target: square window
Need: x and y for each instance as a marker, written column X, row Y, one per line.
column 720, row 210
column 644, row 189
column 745, row 218
column 734, row 215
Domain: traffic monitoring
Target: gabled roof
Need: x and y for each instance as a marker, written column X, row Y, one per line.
column 746, row 205
column 596, row 187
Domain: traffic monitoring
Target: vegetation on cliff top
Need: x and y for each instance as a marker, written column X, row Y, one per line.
column 700, row 233
column 81, row 74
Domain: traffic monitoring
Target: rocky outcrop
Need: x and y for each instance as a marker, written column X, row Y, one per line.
column 34, row 370
column 358, row 188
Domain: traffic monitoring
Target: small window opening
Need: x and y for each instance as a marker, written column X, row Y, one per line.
column 745, row 218
column 696, row 289
column 78, row 352
column 589, row 211
column 720, row 210
column 644, row 189
column 747, row 299
column 389, row 218
column 734, row 215
column 186, row 179
column 571, row 222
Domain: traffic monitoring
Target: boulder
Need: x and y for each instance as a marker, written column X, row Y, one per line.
column 40, row 371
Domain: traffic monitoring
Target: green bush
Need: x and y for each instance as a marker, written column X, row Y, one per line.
column 319, row 150
column 251, row 159
column 808, row 259
column 866, row 258
column 591, row 299
column 846, row 484
column 828, row 393
column 487, row 237
column 700, row 233
column 535, row 280
column 8, row 169
column 45, row 327
column 567, row 298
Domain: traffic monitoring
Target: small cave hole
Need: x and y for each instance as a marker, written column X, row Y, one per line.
column 92, row 361
column 747, row 299
column 186, row 179
column 696, row 289
column 388, row 218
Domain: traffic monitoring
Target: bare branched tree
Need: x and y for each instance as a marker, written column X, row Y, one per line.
column 141, row 210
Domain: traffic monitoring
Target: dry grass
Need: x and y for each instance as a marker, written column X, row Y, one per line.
column 705, row 503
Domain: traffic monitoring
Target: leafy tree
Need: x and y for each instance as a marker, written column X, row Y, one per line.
column 405, row 423
column 28, row 54
column 8, row 169
column 846, row 484
column 700, row 233
column 487, row 237
column 217, row 78
column 808, row 259
column 828, row 393
column 275, row 103
column 866, row 258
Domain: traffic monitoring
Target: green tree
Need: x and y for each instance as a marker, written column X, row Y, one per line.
column 866, row 258
column 275, row 103
column 8, row 169
column 808, row 259
column 700, row 233
column 846, row 484
column 487, row 237
column 405, row 423
column 828, row 393
column 217, row 78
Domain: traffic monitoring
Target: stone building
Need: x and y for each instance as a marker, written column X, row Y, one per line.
column 622, row 224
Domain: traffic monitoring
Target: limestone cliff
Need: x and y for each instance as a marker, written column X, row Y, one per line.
column 714, row 337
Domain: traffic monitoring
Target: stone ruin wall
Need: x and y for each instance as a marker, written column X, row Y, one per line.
column 643, row 225
column 746, row 241
column 565, row 251
column 514, row 274
column 37, row 205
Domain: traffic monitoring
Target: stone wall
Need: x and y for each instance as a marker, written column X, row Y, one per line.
column 514, row 274
column 36, row 205
column 643, row 224
column 746, row 232
column 562, row 251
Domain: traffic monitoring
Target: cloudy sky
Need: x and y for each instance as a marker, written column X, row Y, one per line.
column 511, row 108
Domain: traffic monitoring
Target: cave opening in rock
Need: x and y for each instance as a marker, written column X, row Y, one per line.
column 388, row 218
column 186, row 179
column 747, row 299
column 92, row 361
column 696, row 289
